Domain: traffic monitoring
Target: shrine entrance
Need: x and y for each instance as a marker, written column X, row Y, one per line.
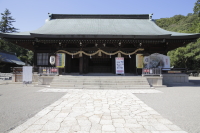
column 100, row 65
column 97, row 64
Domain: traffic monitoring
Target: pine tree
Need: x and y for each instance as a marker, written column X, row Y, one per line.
column 6, row 22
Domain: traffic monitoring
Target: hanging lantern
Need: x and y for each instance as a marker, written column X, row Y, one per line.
column 52, row 59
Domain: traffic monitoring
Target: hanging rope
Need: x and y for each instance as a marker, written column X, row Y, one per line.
column 99, row 52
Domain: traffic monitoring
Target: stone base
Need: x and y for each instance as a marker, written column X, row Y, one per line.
column 175, row 78
column 45, row 80
column 18, row 78
column 155, row 81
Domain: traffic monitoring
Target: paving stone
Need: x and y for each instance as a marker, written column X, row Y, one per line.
column 31, row 131
column 35, row 127
column 128, row 130
column 48, row 131
column 68, row 123
column 41, row 121
column 120, row 130
column 108, row 128
column 118, row 120
column 94, row 119
column 98, row 111
column 62, row 115
column 84, row 123
column 160, row 127
column 51, row 126
column 105, row 122
column 132, row 125
column 106, row 117
column 63, row 129
column 75, row 128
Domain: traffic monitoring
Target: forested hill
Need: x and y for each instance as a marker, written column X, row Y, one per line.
column 188, row 56
column 180, row 23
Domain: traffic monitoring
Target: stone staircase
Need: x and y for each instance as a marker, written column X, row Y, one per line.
column 100, row 82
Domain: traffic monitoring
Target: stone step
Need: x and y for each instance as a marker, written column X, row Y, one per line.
column 102, row 86
column 62, row 87
column 83, row 83
column 100, row 80
column 93, row 82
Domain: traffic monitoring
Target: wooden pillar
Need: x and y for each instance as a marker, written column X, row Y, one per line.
column 113, row 63
column 81, row 65
column 68, row 64
column 133, row 64
column 85, row 64
column 35, row 59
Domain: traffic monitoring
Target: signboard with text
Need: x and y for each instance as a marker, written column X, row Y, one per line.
column 60, row 60
column 119, row 65
column 139, row 60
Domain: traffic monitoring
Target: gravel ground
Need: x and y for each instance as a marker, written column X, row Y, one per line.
column 18, row 103
column 180, row 104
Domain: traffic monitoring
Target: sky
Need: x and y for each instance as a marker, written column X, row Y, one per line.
column 31, row 14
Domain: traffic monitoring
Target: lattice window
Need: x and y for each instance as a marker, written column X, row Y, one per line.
column 42, row 58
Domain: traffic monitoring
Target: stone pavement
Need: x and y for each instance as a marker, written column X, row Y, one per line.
column 98, row 111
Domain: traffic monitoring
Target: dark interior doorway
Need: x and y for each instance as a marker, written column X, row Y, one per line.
column 75, row 65
column 100, row 65
column 127, row 65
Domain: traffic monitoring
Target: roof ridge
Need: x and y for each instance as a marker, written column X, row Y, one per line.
column 100, row 16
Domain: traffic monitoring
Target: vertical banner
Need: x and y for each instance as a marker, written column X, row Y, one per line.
column 60, row 60
column 27, row 74
column 166, row 61
column 119, row 64
column 139, row 60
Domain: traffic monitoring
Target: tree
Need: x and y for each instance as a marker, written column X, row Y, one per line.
column 189, row 55
column 6, row 26
column 6, row 22
column 196, row 8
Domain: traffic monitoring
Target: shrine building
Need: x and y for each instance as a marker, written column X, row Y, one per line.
column 91, row 42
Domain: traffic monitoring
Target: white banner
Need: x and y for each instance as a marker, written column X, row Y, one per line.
column 119, row 65
column 27, row 74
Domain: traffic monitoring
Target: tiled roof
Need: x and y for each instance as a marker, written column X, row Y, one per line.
column 131, row 26
column 10, row 58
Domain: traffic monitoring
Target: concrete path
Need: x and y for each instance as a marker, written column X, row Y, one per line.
column 98, row 111
column 18, row 103
column 179, row 104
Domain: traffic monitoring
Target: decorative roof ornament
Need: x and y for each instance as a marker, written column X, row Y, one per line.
column 150, row 16
column 50, row 16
